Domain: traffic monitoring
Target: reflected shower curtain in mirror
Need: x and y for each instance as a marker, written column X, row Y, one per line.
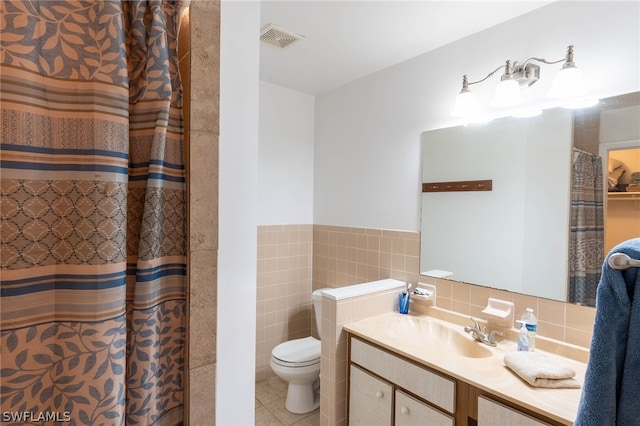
column 586, row 236
column 93, row 267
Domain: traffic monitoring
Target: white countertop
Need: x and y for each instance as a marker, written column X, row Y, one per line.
column 488, row 373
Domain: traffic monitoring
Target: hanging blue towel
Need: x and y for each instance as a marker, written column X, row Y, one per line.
column 611, row 390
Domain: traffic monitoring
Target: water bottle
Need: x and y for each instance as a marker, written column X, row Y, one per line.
column 531, row 322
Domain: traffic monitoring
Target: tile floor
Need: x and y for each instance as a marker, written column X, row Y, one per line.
column 270, row 397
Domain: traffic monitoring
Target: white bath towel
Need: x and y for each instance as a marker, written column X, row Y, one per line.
column 540, row 370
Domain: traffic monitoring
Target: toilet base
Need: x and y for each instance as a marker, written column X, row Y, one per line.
column 303, row 398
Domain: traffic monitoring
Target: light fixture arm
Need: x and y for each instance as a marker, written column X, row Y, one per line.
column 526, row 74
column 568, row 59
column 544, row 61
column 568, row 83
column 465, row 81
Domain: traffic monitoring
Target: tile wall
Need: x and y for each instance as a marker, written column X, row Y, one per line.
column 346, row 255
column 333, row 370
column 561, row 321
column 202, row 176
column 294, row 259
column 283, row 303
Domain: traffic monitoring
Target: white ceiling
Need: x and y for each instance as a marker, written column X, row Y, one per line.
column 347, row 40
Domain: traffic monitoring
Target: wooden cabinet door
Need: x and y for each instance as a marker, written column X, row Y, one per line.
column 370, row 399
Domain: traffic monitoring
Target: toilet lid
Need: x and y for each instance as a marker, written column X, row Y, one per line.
column 298, row 351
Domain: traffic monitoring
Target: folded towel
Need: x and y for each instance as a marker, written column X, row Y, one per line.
column 635, row 177
column 633, row 187
column 540, row 370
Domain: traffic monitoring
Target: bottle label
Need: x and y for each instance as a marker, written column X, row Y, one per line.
column 532, row 328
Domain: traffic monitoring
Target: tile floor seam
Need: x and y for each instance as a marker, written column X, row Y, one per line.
column 270, row 411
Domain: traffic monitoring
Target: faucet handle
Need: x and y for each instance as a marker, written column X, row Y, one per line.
column 475, row 323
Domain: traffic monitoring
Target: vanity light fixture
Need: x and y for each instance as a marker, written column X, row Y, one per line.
column 568, row 84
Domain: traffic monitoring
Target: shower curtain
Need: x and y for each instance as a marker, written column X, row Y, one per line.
column 586, row 236
column 93, row 269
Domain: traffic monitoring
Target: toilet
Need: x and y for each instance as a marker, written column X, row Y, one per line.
column 298, row 363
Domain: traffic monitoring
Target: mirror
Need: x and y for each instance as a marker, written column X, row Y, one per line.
column 515, row 236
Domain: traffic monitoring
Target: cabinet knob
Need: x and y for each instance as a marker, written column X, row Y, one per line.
column 379, row 394
column 404, row 410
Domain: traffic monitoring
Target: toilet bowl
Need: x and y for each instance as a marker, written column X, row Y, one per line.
column 298, row 363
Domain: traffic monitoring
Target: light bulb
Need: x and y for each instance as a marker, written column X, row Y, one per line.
column 507, row 94
column 465, row 104
column 567, row 83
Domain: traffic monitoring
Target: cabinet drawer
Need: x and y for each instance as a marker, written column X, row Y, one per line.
column 492, row 413
column 411, row 412
column 430, row 386
column 370, row 399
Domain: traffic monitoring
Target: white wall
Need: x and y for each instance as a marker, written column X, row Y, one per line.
column 367, row 140
column 545, row 253
column 460, row 224
column 237, row 255
column 620, row 125
column 285, row 156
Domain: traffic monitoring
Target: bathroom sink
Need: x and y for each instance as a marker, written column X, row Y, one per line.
column 435, row 335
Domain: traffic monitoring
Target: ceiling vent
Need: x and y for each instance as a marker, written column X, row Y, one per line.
column 278, row 36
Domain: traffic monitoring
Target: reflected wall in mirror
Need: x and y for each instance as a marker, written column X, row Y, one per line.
column 516, row 236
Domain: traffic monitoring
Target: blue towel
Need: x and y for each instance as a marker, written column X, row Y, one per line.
column 611, row 390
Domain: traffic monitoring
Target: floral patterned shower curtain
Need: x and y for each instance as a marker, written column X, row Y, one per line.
column 93, row 269
column 586, row 236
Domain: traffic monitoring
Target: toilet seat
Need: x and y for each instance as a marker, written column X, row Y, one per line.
column 297, row 353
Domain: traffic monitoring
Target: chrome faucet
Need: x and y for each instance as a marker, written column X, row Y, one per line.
column 481, row 334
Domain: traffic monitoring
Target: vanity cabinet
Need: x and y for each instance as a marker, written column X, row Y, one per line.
column 385, row 389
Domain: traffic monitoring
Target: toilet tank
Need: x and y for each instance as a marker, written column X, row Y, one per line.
column 316, row 298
